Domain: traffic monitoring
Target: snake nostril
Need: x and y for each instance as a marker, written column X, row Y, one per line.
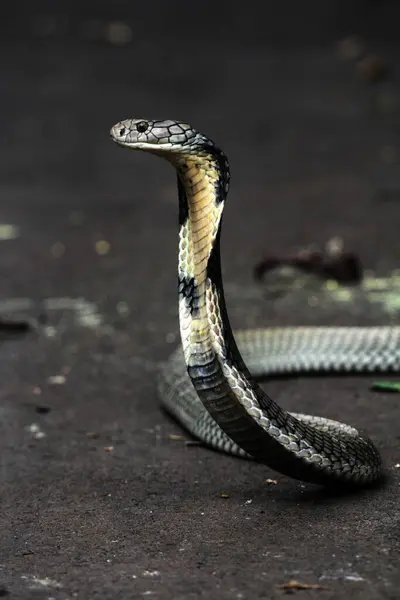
column 122, row 131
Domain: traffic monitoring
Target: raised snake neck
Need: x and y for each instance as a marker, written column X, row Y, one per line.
column 240, row 417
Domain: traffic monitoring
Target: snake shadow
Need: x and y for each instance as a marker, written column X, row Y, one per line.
column 311, row 494
column 289, row 489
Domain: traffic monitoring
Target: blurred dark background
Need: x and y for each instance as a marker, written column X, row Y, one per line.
column 269, row 80
column 98, row 501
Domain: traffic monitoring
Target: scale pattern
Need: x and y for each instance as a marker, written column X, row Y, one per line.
column 209, row 383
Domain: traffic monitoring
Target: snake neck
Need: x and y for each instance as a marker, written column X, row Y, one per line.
column 206, row 333
column 214, row 363
column 202, row 186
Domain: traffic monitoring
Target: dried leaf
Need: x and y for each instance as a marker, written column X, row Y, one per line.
column 298, row 585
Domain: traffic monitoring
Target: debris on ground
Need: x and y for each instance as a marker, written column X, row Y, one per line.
column 102, row 247
column 35, row 431
column 294, row 585
column 56, row 380
column 42, row 410
column 371, row 67
column 386, row 386
column 331, row 263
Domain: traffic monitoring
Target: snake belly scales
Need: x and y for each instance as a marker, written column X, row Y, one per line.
column 207, row 384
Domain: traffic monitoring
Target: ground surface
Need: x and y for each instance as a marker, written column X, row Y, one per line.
column 97, row 501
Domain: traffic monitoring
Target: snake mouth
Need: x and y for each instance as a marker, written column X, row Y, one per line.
column 139, row 145
column 145, row 147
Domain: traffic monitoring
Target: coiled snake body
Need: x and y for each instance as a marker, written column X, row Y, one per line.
column 206, row 384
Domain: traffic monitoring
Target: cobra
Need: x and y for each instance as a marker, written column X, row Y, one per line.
column 211, row 387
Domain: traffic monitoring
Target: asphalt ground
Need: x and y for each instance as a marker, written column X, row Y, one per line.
column 100, row 495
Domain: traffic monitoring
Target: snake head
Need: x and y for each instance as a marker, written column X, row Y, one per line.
column 154, row 136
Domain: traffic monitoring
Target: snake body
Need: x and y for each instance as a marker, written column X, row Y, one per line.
column 206, row 384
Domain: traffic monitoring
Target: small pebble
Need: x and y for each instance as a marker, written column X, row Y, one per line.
column 334, row 246
column 50, row 331
column 35, row 430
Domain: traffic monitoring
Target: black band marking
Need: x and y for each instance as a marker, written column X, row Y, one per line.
column 221, row 165
column 183, row 203
column 188, row 289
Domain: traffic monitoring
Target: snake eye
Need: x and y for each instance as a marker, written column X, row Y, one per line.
column 122, row 131
column 142, row 126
